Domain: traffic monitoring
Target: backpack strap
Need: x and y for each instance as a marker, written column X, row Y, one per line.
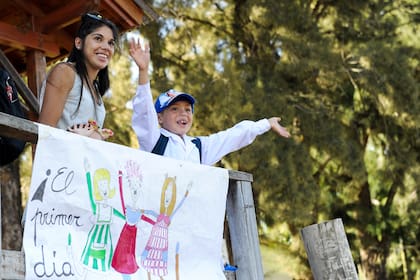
column 197, row 143
column 160, row 146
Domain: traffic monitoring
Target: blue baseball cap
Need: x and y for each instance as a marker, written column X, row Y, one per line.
column 167, row 98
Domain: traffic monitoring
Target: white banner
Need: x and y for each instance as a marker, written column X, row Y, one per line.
column 98, row 210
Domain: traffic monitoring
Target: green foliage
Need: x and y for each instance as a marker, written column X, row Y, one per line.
column 344, row 76
column 117, row 101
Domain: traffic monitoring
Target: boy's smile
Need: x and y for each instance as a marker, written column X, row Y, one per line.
column 177, row 118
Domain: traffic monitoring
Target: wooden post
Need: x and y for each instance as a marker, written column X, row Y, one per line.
column 328, row 251
column 243, row 230
column 36, row 70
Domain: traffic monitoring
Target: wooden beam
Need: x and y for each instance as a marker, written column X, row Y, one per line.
column 23, row 39
column 66, row 40
column 243, row 231
column 147, row 10
column 127, row 11
column 66, row 15
column 54, row 21
column 328, row 251
column 14, row 127
column 29, row 8
column 240, row 176
column 12, row 265
column 36, row 65
column 36, row 68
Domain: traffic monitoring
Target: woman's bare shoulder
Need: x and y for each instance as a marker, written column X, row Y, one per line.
column 62, row 75
column 63, row 68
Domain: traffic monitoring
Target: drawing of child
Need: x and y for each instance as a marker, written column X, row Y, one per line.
column 124, row 259
column 98, row 250
column 155, row 255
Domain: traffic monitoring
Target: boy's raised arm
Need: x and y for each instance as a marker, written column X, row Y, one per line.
column 144, row 120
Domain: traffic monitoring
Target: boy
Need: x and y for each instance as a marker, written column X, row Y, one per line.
column 173, row 111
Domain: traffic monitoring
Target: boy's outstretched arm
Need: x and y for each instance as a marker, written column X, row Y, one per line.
column 277, row 128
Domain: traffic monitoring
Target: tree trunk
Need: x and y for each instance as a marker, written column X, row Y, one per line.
column 373, row 264
column 373, row 254
column 11, row 207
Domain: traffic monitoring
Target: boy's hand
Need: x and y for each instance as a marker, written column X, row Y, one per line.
column 141, row 55
column 276, row 127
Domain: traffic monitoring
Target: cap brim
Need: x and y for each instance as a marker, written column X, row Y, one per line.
column 183, row 96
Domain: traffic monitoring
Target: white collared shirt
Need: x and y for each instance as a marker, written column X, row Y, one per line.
column 213, row 147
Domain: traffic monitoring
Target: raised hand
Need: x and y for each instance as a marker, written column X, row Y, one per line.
column 277, row 128
column 140, row 54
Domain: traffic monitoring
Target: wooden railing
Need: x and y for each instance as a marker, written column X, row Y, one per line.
column 242, row 233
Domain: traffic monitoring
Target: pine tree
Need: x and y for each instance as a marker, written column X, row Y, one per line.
column 343, row 75
column 117, row 101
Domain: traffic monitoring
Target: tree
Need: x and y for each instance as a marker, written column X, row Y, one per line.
column 117, row 103
column 344, row 77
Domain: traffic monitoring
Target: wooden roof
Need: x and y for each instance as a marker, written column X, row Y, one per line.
column 34, row 33
column 50, row 25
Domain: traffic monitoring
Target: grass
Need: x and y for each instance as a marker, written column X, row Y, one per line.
column 275, row 264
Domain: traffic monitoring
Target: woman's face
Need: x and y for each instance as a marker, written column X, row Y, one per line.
column 98, row 48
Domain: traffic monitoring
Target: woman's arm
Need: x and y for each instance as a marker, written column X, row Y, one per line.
column 58, row 85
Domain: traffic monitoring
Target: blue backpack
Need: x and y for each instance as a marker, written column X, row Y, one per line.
column 10, row 148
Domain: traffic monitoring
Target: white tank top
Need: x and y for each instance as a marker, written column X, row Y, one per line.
column 88, row 109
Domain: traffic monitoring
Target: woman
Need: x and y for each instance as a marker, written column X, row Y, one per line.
column 71, row 96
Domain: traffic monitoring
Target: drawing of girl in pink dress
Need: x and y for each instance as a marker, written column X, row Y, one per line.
column 154, row 258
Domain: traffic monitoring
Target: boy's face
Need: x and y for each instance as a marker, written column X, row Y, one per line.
column 177, row 118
